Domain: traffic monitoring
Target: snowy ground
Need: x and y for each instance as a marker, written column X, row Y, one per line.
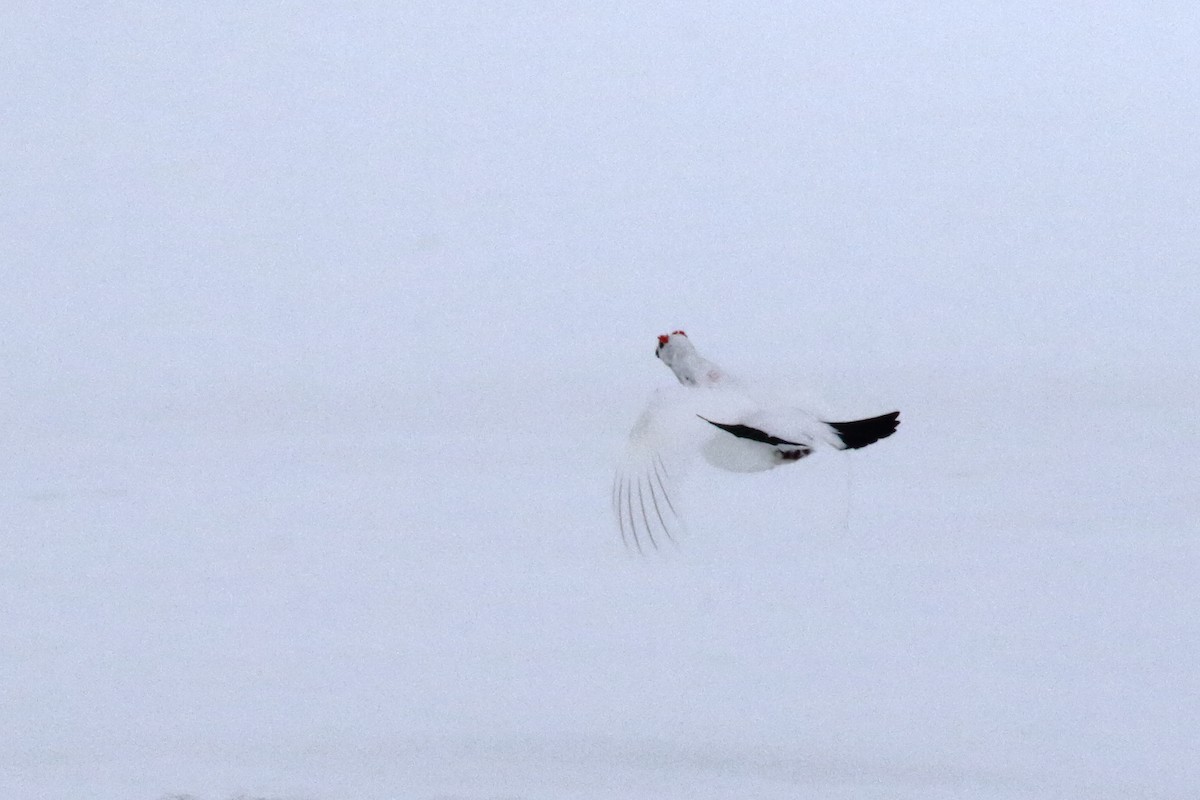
column 323, row 326
column 362, row 606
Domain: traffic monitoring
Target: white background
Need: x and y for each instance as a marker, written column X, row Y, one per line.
column 324, row 323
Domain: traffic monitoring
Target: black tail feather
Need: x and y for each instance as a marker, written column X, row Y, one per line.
column 862, row 432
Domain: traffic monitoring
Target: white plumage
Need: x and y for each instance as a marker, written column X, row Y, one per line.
column 714, row 415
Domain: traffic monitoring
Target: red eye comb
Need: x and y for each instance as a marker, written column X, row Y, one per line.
column 663, row 339
column 681, row 333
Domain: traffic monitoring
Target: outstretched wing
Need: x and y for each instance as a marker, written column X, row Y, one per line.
column 662, row 444
column 802, row 430
column 646, row 513
column 753, row 434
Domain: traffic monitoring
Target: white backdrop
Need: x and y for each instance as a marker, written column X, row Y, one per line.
column 324, row 325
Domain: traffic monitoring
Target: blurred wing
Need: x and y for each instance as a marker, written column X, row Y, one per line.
column 646, row 513
column 644, row 496
column 662, row 443
column 667, row 438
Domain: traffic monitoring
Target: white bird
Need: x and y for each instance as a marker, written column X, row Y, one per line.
column 716, row 415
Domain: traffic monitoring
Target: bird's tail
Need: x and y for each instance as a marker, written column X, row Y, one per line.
column 862, row 432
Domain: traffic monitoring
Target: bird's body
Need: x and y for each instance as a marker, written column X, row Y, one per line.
column 715, row 415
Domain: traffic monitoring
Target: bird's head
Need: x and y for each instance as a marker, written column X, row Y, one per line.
column 672, row 344
column 677, row 352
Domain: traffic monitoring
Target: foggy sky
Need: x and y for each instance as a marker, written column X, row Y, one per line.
column 287, row 192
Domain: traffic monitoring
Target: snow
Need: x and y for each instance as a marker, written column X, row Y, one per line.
column 325, row 329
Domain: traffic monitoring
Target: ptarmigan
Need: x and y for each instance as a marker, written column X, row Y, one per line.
column 713, row 414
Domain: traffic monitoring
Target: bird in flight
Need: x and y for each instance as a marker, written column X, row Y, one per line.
column 713, row 413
